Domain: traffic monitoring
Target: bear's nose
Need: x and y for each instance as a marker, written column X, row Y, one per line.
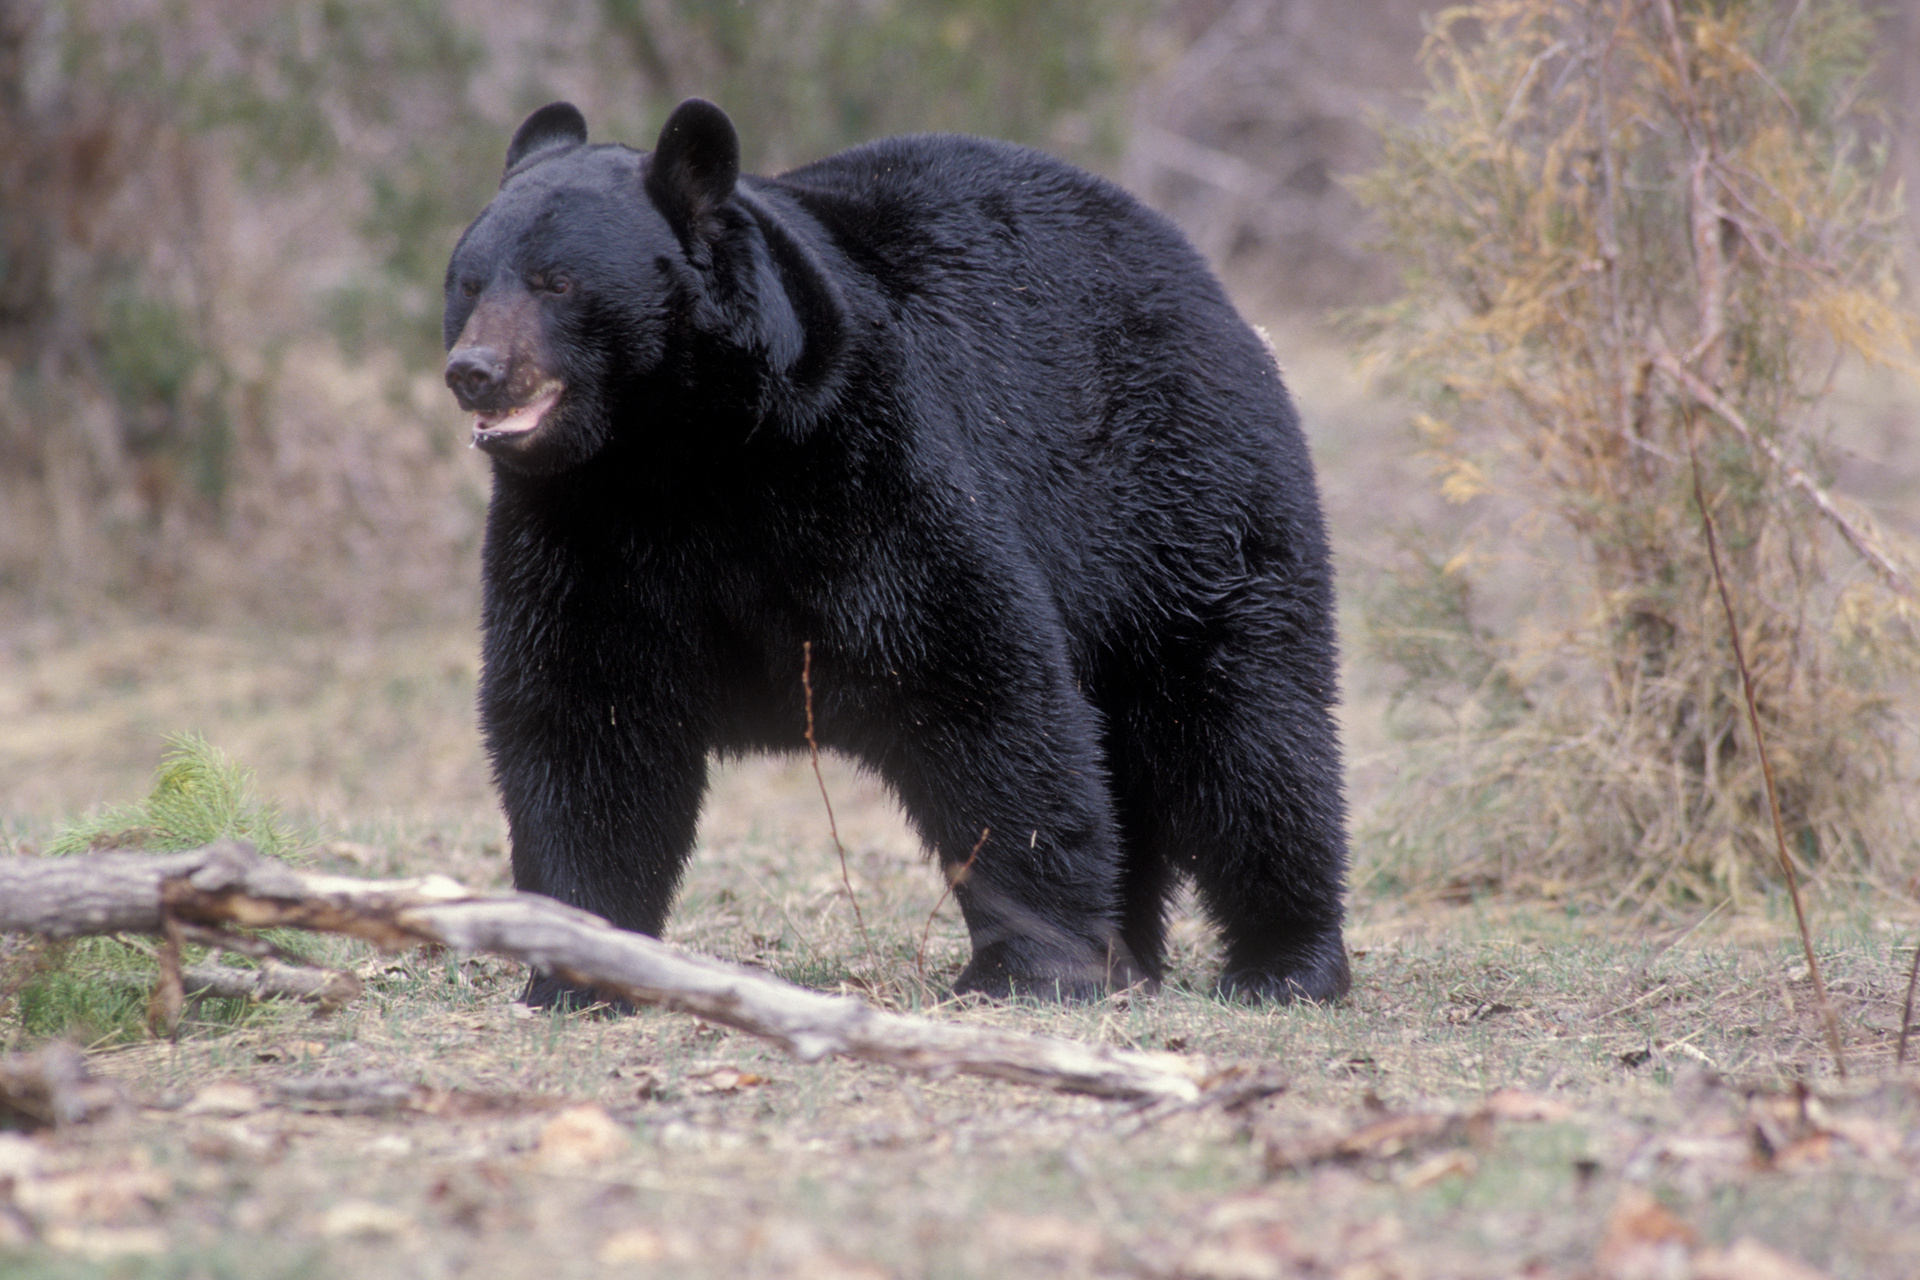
column 476, row 375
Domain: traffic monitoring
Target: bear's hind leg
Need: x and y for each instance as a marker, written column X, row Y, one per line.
column 1015, row 805
column 1240, row 786
column 1270, row 858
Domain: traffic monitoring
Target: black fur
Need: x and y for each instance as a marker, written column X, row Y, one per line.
column 986, row 433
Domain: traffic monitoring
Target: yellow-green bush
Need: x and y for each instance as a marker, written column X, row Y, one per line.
column 1636, row 231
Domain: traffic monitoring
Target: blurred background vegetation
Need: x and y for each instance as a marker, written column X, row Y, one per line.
column 1640, row 242
column 223, row 223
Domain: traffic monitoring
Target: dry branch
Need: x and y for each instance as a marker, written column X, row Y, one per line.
column 228, row 884
column 1859, row 538
column 52, row 1086
column 1828, row 1018
column 273, row 980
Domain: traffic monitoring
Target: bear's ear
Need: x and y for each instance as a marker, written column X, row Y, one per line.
column 694, row 167
column 558, row 124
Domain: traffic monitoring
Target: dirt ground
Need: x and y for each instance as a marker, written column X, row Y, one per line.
column 1514, row 1089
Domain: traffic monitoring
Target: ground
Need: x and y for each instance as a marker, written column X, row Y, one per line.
column 1507, row 1085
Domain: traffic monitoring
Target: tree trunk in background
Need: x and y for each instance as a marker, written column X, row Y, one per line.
column 1245, row 135
column 1900, row 73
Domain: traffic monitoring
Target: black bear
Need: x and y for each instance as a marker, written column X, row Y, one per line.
column 982, row 433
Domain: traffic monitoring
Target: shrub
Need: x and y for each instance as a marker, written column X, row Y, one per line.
column 198, row 796
column 1636, row 233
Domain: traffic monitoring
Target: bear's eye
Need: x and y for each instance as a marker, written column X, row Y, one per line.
column 558, row 284
column 469, row 289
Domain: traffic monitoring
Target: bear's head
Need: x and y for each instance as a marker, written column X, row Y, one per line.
column 606, row 293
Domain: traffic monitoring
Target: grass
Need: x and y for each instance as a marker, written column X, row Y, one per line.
column 841, row 1169
column 94, row 991
column 1669, row 1044
column 1652, row 1048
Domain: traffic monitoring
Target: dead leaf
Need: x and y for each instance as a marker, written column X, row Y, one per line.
column 223, row 1098
column 235, row 1141
column 359, row 855
column 832, row 1266
column 1407, row 1132
column 1873, row 1140
column 1447, row 1164
column 53, row 1086
column 15, row 1231
column 1748, row 1259
column 1643, row 1240
column 108, row 1195
column 1252, row 1206
column 20, row 1157
column 1785, row 1130
column 725, row 1080
column 1515, row 1104
column 635, row 1244
column 103, row 1243
column 363, row 1218
column 577, row 1137
column 1237, row 1259
column 1045, row 1234
column 1381, row 1139
column 1809, row 1152
column 1246, row 1237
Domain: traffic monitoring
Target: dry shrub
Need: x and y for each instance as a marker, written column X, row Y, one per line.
column 187, row 194
column 223, row 227
column 1637, row 230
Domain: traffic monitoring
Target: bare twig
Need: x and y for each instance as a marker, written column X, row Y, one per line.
column 227, row 884
column 279, row 975
column 954, row 877
column 273, row 980
column 1906, row 1014
column 1703, row 210
column 1602, row 73
column 169, row 997
column 1827, row 1015
column 813, row 752
column 1857, row 538
column 1913, row 977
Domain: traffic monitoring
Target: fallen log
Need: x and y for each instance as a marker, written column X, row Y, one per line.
column 228, row 884
column 273, row 980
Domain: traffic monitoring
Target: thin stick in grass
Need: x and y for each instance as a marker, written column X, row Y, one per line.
column 1827, row 1016
column 1913, row 977
column 1906, row 1014
column 813, row 751
column 954, row 877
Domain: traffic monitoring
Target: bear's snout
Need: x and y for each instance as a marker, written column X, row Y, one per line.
column 477, row 375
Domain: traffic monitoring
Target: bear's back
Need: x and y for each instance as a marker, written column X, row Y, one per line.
column 1086, row 357
column 926, row 210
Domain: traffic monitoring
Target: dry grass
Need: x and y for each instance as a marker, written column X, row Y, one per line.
column 1648, row 1059
column 454, row 1143
column 1509, row 1074
column 1630, row 231
column 464, row 1139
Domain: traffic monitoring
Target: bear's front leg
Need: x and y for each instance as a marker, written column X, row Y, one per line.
column 602, row 794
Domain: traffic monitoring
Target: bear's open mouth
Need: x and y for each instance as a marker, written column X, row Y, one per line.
column 497, row 428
